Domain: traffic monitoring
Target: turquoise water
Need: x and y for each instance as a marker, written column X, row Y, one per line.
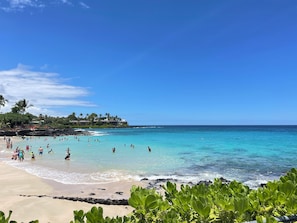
column 250, row 154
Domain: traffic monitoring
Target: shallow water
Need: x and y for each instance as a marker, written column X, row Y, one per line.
column 250, row 154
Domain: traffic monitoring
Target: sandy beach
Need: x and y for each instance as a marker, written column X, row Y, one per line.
column 31, row 198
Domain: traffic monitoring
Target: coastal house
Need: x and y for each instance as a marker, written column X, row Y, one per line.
column 111, row 121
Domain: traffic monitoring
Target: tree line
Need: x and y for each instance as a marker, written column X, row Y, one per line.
column 18, row 117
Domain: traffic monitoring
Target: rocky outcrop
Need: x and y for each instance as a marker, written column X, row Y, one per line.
column 89, row 200
column 42, row 132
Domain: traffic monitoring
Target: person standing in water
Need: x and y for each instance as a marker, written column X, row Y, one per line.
column 32, row 156
column 67, row 157
column 40, row 150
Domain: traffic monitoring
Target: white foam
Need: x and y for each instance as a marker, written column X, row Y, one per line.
column 79, row 130
column 206, row 176
column 113, row 176
column 254, row 184
column 147, row 127
column 72, row 177
column 97, row 133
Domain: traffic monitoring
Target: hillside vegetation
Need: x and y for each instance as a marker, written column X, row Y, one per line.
column 18, row 118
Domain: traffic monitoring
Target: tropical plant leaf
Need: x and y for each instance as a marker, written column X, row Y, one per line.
column 151, row 202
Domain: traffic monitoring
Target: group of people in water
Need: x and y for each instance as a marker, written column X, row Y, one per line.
column 132, row 147
column 19, row 154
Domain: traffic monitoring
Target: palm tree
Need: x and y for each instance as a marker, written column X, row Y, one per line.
column 72, row 116
column 92, row 117
column 2, row 101
column 21, row 106
column 107, row 115
column 24, row 104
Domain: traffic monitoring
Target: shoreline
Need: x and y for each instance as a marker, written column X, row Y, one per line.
column 114, row 191
column 33, row 198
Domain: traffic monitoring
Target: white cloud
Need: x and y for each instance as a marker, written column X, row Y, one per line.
column 46, row 91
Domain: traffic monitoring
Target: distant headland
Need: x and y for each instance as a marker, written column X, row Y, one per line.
column 17, row 122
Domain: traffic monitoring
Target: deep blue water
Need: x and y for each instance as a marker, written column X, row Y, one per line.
column 251, row 154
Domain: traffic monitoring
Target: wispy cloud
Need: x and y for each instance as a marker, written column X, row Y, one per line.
column 68, row 2
column 65, row 1
column 22, row 5
column 84, row 5
column 19, row 5
column 46, row 91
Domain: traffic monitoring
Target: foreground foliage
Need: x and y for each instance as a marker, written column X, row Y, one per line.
column 218, row 203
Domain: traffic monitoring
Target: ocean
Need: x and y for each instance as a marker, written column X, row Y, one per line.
column 249, row 154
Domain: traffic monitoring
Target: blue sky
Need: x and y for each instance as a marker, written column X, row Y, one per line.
column 152, row 62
